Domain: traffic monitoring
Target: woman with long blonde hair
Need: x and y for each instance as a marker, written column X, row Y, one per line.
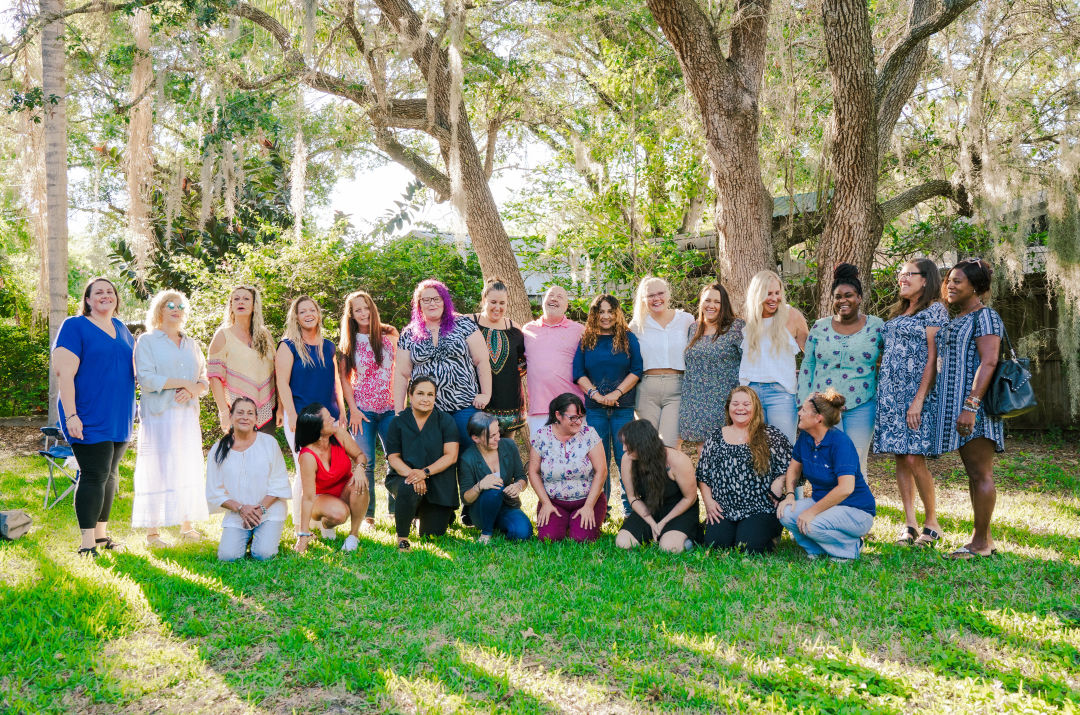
column 739, row 464
column 169, row 365
column 775, row 333
column 366, row 368
column 662, row 333
column 305, row 375
column 241, row 361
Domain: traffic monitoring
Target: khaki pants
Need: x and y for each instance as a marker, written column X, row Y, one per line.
column 658, row 401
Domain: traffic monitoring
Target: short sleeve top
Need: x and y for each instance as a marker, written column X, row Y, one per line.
column 421, row 448
column 448, row 362
column 370, row 382
column 728, row 470
column 104, row 380
column 664, row 346
column 314, row 383
column 565, row 467
column 823, row 463
column 846, row 363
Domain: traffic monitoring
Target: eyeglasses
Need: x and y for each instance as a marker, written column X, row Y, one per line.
column 431, row 301
column 573, row 418
column 909, row 274
column 173, row 306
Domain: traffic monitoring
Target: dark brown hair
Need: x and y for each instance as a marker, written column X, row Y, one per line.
column 619, row 342
column 649, row 468
column 830, row 405
column 931, row 290
column 976, row 270
column 86, row 294
column 723, row 322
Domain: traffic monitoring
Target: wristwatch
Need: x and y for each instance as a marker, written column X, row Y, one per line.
column 427, row 471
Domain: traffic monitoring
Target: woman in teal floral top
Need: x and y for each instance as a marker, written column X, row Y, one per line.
column 842, row 352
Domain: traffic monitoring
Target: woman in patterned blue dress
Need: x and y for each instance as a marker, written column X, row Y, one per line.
column 968, row 349
column 907, row 406
column 713, row 356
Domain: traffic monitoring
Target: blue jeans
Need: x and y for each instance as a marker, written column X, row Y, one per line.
column 780, row 408
column 858, row 423
column 378, row 424
column 607, row 421
column 491, row 514
column 837, row 531
column 461, row 419
column 264, row 540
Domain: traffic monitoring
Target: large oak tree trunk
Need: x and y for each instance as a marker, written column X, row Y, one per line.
column 853, row 223
column 53, row 84
column 726, row 90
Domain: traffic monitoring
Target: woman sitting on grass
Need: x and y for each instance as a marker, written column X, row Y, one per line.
column 658, row 480
column 491, row 478
column 841, row 508
column 738, row 465
column 333, row 486
column 422, row 451
column 246, row 476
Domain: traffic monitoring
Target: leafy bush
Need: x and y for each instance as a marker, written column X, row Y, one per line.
column 24, row 371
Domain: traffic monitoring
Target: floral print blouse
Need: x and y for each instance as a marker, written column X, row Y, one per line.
column 565, row 467
column 846, row 363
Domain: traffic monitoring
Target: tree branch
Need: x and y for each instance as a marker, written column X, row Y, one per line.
column 906, row 200
column 951, row 10
column 411, row 160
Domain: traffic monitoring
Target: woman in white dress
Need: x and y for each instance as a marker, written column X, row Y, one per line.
column 171, row 370
column 246, row 477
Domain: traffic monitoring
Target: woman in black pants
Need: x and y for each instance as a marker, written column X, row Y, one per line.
column 738, row 465
column 93, row 361
column 659, row 484
column 422, row 451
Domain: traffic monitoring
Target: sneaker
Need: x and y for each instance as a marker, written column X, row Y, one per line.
column 328, row 532
column 351, row 543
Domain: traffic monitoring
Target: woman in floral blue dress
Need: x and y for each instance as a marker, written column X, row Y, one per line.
column 842, row 353
column 713, row 355
column 968, row 349
column 907, row 407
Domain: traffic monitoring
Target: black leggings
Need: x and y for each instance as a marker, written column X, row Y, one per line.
column 755, row 533
column 434, row 518
column 99, row 473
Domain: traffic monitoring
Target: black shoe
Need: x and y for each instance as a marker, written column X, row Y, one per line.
column 109, row 543
column 92, row 552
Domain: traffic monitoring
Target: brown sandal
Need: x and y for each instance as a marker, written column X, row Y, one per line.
column 907, row 536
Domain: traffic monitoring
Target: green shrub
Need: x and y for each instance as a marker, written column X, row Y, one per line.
column 24, row 371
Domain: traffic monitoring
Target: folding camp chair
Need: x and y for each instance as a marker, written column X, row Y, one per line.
column 56, row 453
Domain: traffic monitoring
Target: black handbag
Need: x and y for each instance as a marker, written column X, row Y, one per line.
column 1011, row 393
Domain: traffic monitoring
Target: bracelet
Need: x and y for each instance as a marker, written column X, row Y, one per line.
column 590, row 391
column 74, row 415
column 621, row 393
column 300, row 534
column 973, row 402
column 969, row 408
column 263, row 509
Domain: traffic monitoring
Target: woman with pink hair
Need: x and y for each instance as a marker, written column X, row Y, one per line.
column 449, row 348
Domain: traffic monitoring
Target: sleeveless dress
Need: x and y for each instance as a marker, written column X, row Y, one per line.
column 506, row 353
column 334, row 478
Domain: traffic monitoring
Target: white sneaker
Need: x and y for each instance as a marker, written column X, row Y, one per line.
column 328, row 533
column 351, row 543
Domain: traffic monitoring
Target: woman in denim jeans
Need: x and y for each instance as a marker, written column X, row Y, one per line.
column 774, row 334
column 365, row 361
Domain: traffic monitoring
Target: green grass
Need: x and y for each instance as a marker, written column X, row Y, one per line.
column 454, row 627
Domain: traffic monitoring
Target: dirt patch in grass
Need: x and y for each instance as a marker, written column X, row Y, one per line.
column 19, row 441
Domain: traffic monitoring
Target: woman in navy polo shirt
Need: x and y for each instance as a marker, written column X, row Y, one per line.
column 93, row 361
column 841, row 508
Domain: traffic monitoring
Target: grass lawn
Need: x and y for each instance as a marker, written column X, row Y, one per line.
column 456, row 627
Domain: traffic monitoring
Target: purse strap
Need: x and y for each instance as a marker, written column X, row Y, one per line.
column 1005, row 334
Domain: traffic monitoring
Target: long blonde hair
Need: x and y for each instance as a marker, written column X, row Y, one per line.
column 641, row 301
column 755, row 323
column 759, row 440
column 261, row 339
column 294, row 335
column 157, row 307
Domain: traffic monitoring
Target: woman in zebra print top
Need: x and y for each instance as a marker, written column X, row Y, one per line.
column 448, row 347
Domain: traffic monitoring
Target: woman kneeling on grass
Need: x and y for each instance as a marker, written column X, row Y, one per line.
column 246, row 476
column 331, row 465
column 491, row 478
column 422, row 451
column 841, row 508
column 657, row 480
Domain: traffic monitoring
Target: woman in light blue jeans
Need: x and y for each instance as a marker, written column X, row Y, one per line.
column 774, row 334
column 843, row 352
column 841, row 509
column 246, row 477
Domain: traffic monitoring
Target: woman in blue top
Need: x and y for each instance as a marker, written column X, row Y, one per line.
column 305, row 373
column 841, row 509
column 93, row 360
column 842, row 352
column 607, row 367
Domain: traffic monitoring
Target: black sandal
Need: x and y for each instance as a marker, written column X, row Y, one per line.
column 907, row 536
column 928, row 537
column 109, row 543
column 403, row 545
column 91, row 552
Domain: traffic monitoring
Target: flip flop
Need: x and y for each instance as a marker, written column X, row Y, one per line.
column 964, row 553
column 928, row 537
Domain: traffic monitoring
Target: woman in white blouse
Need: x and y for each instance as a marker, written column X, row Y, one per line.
column 171, row 371
column 662, row 335
column 774, row 334
column 246, row 477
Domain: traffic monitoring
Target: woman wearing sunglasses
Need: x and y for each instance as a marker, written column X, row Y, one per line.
column 171, row 370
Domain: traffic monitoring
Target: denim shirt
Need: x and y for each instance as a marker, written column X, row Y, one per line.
column 157, row 359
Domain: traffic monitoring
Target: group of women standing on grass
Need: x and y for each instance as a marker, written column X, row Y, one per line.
column 444, row 394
